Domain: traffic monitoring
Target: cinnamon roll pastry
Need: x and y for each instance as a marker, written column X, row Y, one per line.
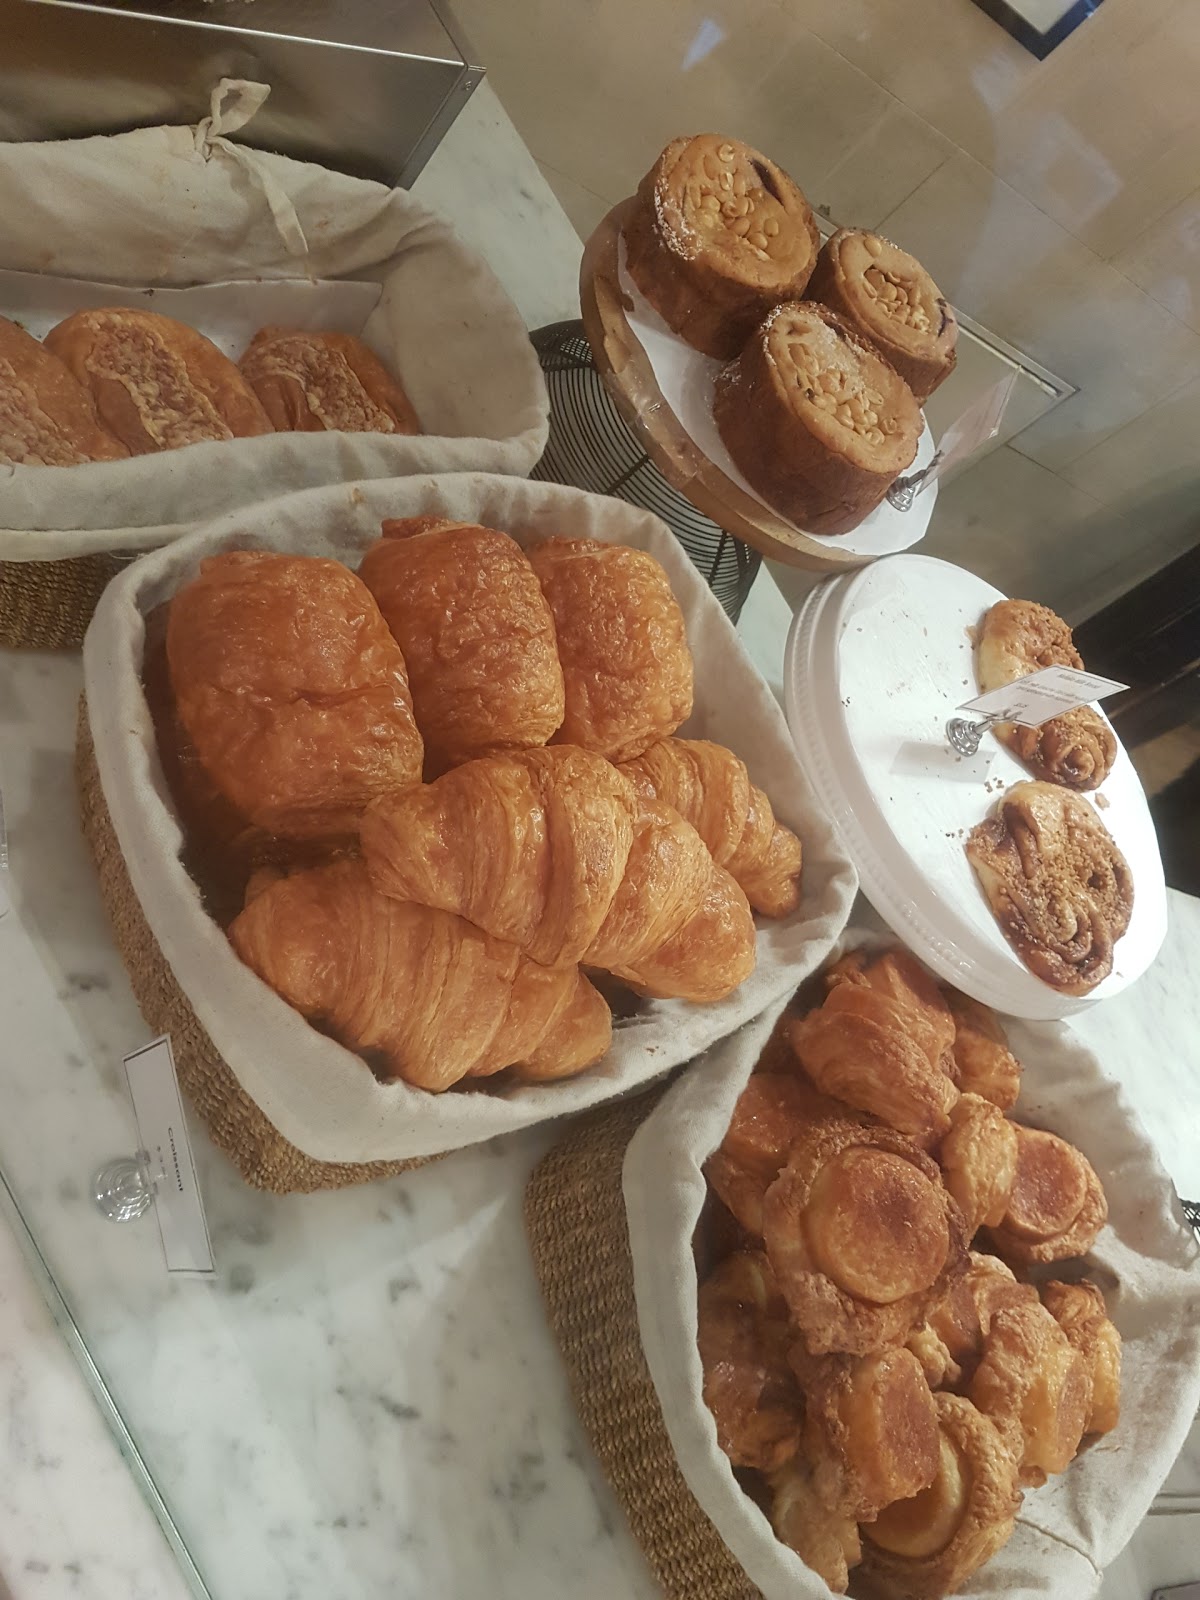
column 871, row 1431
column 826, row 1542
column 716, row 235
column 1057, row 884
column 325, row 382
column 862, row 1236
column 1080, row 1312
column 978, row 1158
column 157, row 384
column 983, row 1062
column 816, row 420
column 47, row 417
column 1036, row 1387
column 889, row 300
column 929, row 1545
column 748, row 1384
column 1056, row 1206
column 1018, row 637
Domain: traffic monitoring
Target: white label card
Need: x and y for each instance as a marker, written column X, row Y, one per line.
column 1037, row 697
column 162, row 1129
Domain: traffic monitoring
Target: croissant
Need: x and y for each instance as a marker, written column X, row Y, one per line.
column 962, row 1318
column 826, row 1542
column 984, row 1063
column 477, row 636
column 552, row 851
column 627, row 669
column 748, row 1385
column 710, row 788
column 1036, row 1387
column 292, row 690
column 1080, row 1312
column 423, row 994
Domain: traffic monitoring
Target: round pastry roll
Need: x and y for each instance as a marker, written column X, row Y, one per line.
column 1080, row 1312
column 978, row 1158
column 716, row 235
column 889, row 299
column 1018, row 637
column 983, row 1062
column 817, row 422
column 930, row 1544
column 1056, row 1206
column 1056, row 882
column 1036, row 1387
column 862, row 1236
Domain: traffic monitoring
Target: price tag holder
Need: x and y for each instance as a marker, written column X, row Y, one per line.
column 1028, row 701
column 966, row 434
column 162, row 1174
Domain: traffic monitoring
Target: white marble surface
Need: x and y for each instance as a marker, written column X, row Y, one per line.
column 366, row 1401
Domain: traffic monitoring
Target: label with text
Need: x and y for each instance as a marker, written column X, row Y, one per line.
column 1050, row 692
column 162, row 1129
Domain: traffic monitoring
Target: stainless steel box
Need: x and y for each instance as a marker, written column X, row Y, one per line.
column 366, row 86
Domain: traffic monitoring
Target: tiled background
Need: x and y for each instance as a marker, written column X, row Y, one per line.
column 1056, row 202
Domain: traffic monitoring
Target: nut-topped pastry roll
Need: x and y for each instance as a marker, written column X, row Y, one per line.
column 819, row 423
column 157, row 384
column 318, row 382
column 718, row 234
column 889, row 300
column 47, row 418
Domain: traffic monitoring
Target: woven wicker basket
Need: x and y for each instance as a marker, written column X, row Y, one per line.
column 575, row 1218
column 255, row 1146
column 47, row 605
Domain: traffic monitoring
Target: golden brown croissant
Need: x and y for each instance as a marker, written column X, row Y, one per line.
column 862, row 1237
column 1056, row 1205
column 903, row 981
column 748, row 1385
column 626, row 665
column 47, row 417
column 928, row 1546
column 157, row 383
column 1036, row 1387
column 477, row 636
column 1080, row 1312
column 423, row 994
column 1057, row 884
column 978, row 1158
column 825, row 1541
column 312, row 382
column 710, row 788
column 292, row 690
column 1018, row 637
column 961, row 1319
column 985, row 1065
column 551, row 850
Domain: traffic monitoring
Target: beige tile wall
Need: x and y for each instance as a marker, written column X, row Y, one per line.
column 1057, row 202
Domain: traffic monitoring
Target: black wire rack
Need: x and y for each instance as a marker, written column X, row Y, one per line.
column 592, row 447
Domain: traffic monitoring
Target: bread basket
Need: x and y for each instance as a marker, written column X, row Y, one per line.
column 172, row 207
column 611, row 1214
column 290, row 1107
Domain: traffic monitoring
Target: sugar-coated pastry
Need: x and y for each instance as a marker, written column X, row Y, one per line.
column 292, row 690
column 313, row 382
column 825, row 1541
column 710, row 788
column 889, row 300
column 741, row 1188
column 1018, row 637
column 1035, row 1386
column 984, row 1063
column 47, row 417
column 1056, row 1206
column 477, row 636
column 1080, row 1312
column 426, row 996
column 1056, row 882
column 627, row 669
column 817, row 422
column 716, row 236
column 978, row 1158
column 862, row 1236
column 748, row 1384
column 928, row 1546
column 961, row 1318
column 871, row 1430
column 904, row 983
column 157, row 384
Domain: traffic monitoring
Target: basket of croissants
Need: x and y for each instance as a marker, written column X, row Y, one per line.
column 127, row 425
column 427, row 810
column 886, row 1296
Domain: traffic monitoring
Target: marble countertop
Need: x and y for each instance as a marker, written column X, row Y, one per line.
column 367, row 1400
